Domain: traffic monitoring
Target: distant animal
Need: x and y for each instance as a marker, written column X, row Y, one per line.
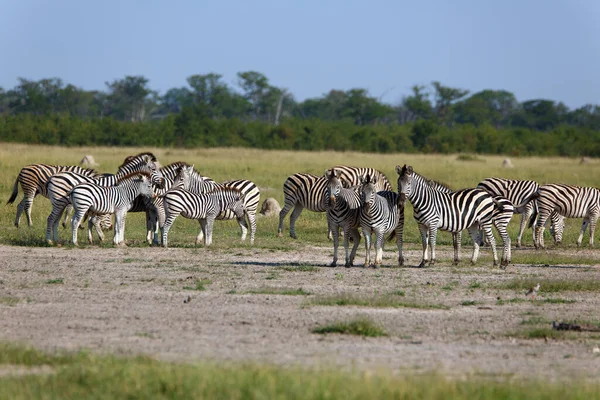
column 270, row 207
column 506, row 163
column 88, row 161
column 307, row 191
column 533, row 291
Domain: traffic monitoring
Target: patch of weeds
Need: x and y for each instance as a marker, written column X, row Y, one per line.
column 360, row 326
column 400, row 293
column 469, row 157
column 272, row 276
column 282, row 291
column 339, row 277
column 145, row 335
column 86, row 284
column 129, row 260
column 558, row 301
column 232, row 291
column 474, row 285
column 200, row 285
column 381, row 301
column 469, row 303
column 57, row 281
column 552, row 286
column 535, row 321
column 9, row 300
column 540, row 333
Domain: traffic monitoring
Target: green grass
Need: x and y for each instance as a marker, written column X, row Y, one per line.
column 84, row 375
column 469, row 303
column 298, row 268
column 200, row 285
column 377, row 301
column 281, row 291
column 360, row 327
column 9, row 300
column 551, row 285
column 538, row 301
column 57, row 281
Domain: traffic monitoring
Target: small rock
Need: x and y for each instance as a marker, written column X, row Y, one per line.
column 187, row 299
column 596, row 350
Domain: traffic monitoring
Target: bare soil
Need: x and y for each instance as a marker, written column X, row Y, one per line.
column 131, row 301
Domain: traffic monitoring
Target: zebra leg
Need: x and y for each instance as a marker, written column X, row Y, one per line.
column 293, row 217
column 118, row 239
column 336, row 242
column 68, row 210
column 379, row 243
column 53, row 221
column 584, row 226
column 75, row 221
column 593, row 220
column 287, row 206
column 456, row 243
column 557, row 225
column 432, row 242
column 25, row 205
column 524, row 219
column 208, row 228
column 399, row 243
column 95, row 222
column 506, row 252
column 355, row 235
column 169, row 219
column 425, row 241
column 367, row 235
column 252, row 220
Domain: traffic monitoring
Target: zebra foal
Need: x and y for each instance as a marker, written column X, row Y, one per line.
column 203, row 207
column 93, row 198
column 343, row 208
column 470, row 209
column 381, row 212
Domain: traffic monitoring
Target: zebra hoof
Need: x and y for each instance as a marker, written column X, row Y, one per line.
column 422, row 265
column 333, row 264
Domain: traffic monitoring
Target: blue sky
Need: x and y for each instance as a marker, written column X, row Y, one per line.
column 535, row 49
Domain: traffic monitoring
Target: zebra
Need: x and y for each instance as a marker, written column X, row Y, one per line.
column 343, row 210
column 502, row 215
column 203, row 207
column 101, row 200
column 381, row 212
column 470, row 209
column 59, row 186
column 517, row 191
column 33, row 179
column 569, row 201
column 303, row 190
column 176, row 175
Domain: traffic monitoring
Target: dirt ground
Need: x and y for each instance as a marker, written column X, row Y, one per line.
column 131, row 301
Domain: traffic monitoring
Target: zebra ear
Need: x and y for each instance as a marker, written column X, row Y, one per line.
column 364, row 179
column 374, row 179
column 329, row 173
column 398, row 170
column 409, row 169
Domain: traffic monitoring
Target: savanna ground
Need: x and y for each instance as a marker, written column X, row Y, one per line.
column 267, row 304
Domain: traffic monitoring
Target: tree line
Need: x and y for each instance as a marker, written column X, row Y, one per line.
column 208, row 112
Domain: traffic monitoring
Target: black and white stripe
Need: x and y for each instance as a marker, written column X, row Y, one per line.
column 203, row 207
column 343, row 211
column 96, row 199
column 381, row 212
column 33, row 180
column 60, row 185
column 302, row 191
column 470, row 209
column 570, row 202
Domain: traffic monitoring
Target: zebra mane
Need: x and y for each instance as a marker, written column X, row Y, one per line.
column 434, row 183
column 225, row 188
column 129, row 159
column 177, row 164
column 133, row 175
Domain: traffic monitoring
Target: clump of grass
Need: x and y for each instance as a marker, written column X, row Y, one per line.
column 469, row 303
column 200, row 285
column 360, row 326
column 535, row 321
column 400, row 293
column 552, row 285
column 558, row 301
column 57, row 281
column 9, row 300
column 474, row 285
column 539, row 333
column 298, row 268
column 537, row 302
column 377, row 301
column 469, row 157
column 282, row 291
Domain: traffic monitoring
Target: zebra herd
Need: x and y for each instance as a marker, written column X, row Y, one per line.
column 140, row 185
column 363, row 197
column 353, row 198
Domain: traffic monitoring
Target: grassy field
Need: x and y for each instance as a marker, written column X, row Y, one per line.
column 28, row 373
column 269, row 169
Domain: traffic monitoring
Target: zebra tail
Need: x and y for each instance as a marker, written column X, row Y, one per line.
column 391, row 236
column 15, row 192
column 527, row 200
column 533, row 216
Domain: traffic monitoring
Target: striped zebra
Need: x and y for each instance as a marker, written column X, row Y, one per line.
column 517, row 191
column 59, row 186
column 176, row 175
column 203, row 207
column 33, row 179
column 306, row 191
column 343, row 211
column 502, row 215
column 90, row 197
column 381, row 212
column 570, row 202
column 470, row 209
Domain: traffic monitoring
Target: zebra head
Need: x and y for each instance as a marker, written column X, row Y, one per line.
column 144, row 162
column 145, row 186
column 183, row 177
column 405, row 177
column 367, row 190
column 334, row 185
